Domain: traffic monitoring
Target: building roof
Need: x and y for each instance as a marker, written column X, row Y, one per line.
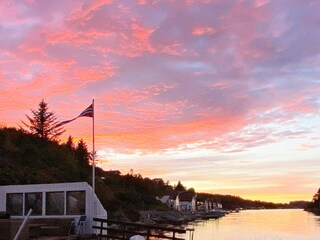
column 164, row 199
column 186, row 196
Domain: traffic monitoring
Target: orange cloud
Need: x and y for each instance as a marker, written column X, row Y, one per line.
column 148, row 134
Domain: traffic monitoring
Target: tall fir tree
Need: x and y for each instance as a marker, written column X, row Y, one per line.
column 69, row 144
column 83, row 157
column 180, row 187
column 316, row 199
column 42, row 123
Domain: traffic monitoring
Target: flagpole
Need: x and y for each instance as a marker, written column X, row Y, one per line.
column 93, row 151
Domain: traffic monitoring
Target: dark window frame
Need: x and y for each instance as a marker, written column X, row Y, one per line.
column 37, row 208
column 81, row 201
column 9, row 208
column 47, row 204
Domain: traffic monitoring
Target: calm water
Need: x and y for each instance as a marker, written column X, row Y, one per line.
column 260, row 224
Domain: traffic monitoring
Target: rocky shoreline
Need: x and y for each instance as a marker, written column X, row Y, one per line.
column 174, row 217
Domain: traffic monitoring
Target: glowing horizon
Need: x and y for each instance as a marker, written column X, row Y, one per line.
column 222, row 95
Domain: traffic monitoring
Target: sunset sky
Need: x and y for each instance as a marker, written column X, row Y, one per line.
column 223, row 95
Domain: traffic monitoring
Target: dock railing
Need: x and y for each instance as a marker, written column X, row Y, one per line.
column 118, row 230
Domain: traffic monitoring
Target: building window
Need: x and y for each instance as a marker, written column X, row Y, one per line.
column 34, row 201
column 15, row 204
column 76, row 203
column 55, row 203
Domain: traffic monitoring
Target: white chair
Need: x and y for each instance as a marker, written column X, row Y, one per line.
column 77, row 227
column 137, row 237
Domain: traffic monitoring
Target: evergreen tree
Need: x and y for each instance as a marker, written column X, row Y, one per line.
column 83, row 157
column 180, row 187
column 70, row 144
column 42, row 123
column 316, row 199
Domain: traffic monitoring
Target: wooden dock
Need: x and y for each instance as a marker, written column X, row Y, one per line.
column 118, row 230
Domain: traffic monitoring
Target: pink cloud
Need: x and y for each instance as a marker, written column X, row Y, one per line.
column 126, row 96
column 190, row 2
column 95, row 73
column 84, row 12
column 260, row 3
column 75, row 38
column 136, row 42
column 174, row 49
column 203, row 31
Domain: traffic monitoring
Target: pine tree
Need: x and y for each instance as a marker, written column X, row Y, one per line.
column 82, row 154
column 316, row 198
column 42, row 123
column 180, row 187
column 83, row 157
column 69, row 144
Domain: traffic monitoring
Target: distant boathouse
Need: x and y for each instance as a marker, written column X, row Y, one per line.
column 57, row 200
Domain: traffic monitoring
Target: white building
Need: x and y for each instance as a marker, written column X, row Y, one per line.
column 186, row 201
column 58, row 200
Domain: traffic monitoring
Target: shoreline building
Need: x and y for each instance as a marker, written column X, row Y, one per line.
column 186, row 201
column 56, row 200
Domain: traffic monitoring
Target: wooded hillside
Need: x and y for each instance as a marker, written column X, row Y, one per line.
column 26, row 158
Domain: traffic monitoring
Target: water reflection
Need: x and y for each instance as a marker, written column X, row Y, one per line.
column 260, row 224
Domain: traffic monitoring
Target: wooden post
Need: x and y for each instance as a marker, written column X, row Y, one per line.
column 124, row 231
column 100, row 236
column 148, row 234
